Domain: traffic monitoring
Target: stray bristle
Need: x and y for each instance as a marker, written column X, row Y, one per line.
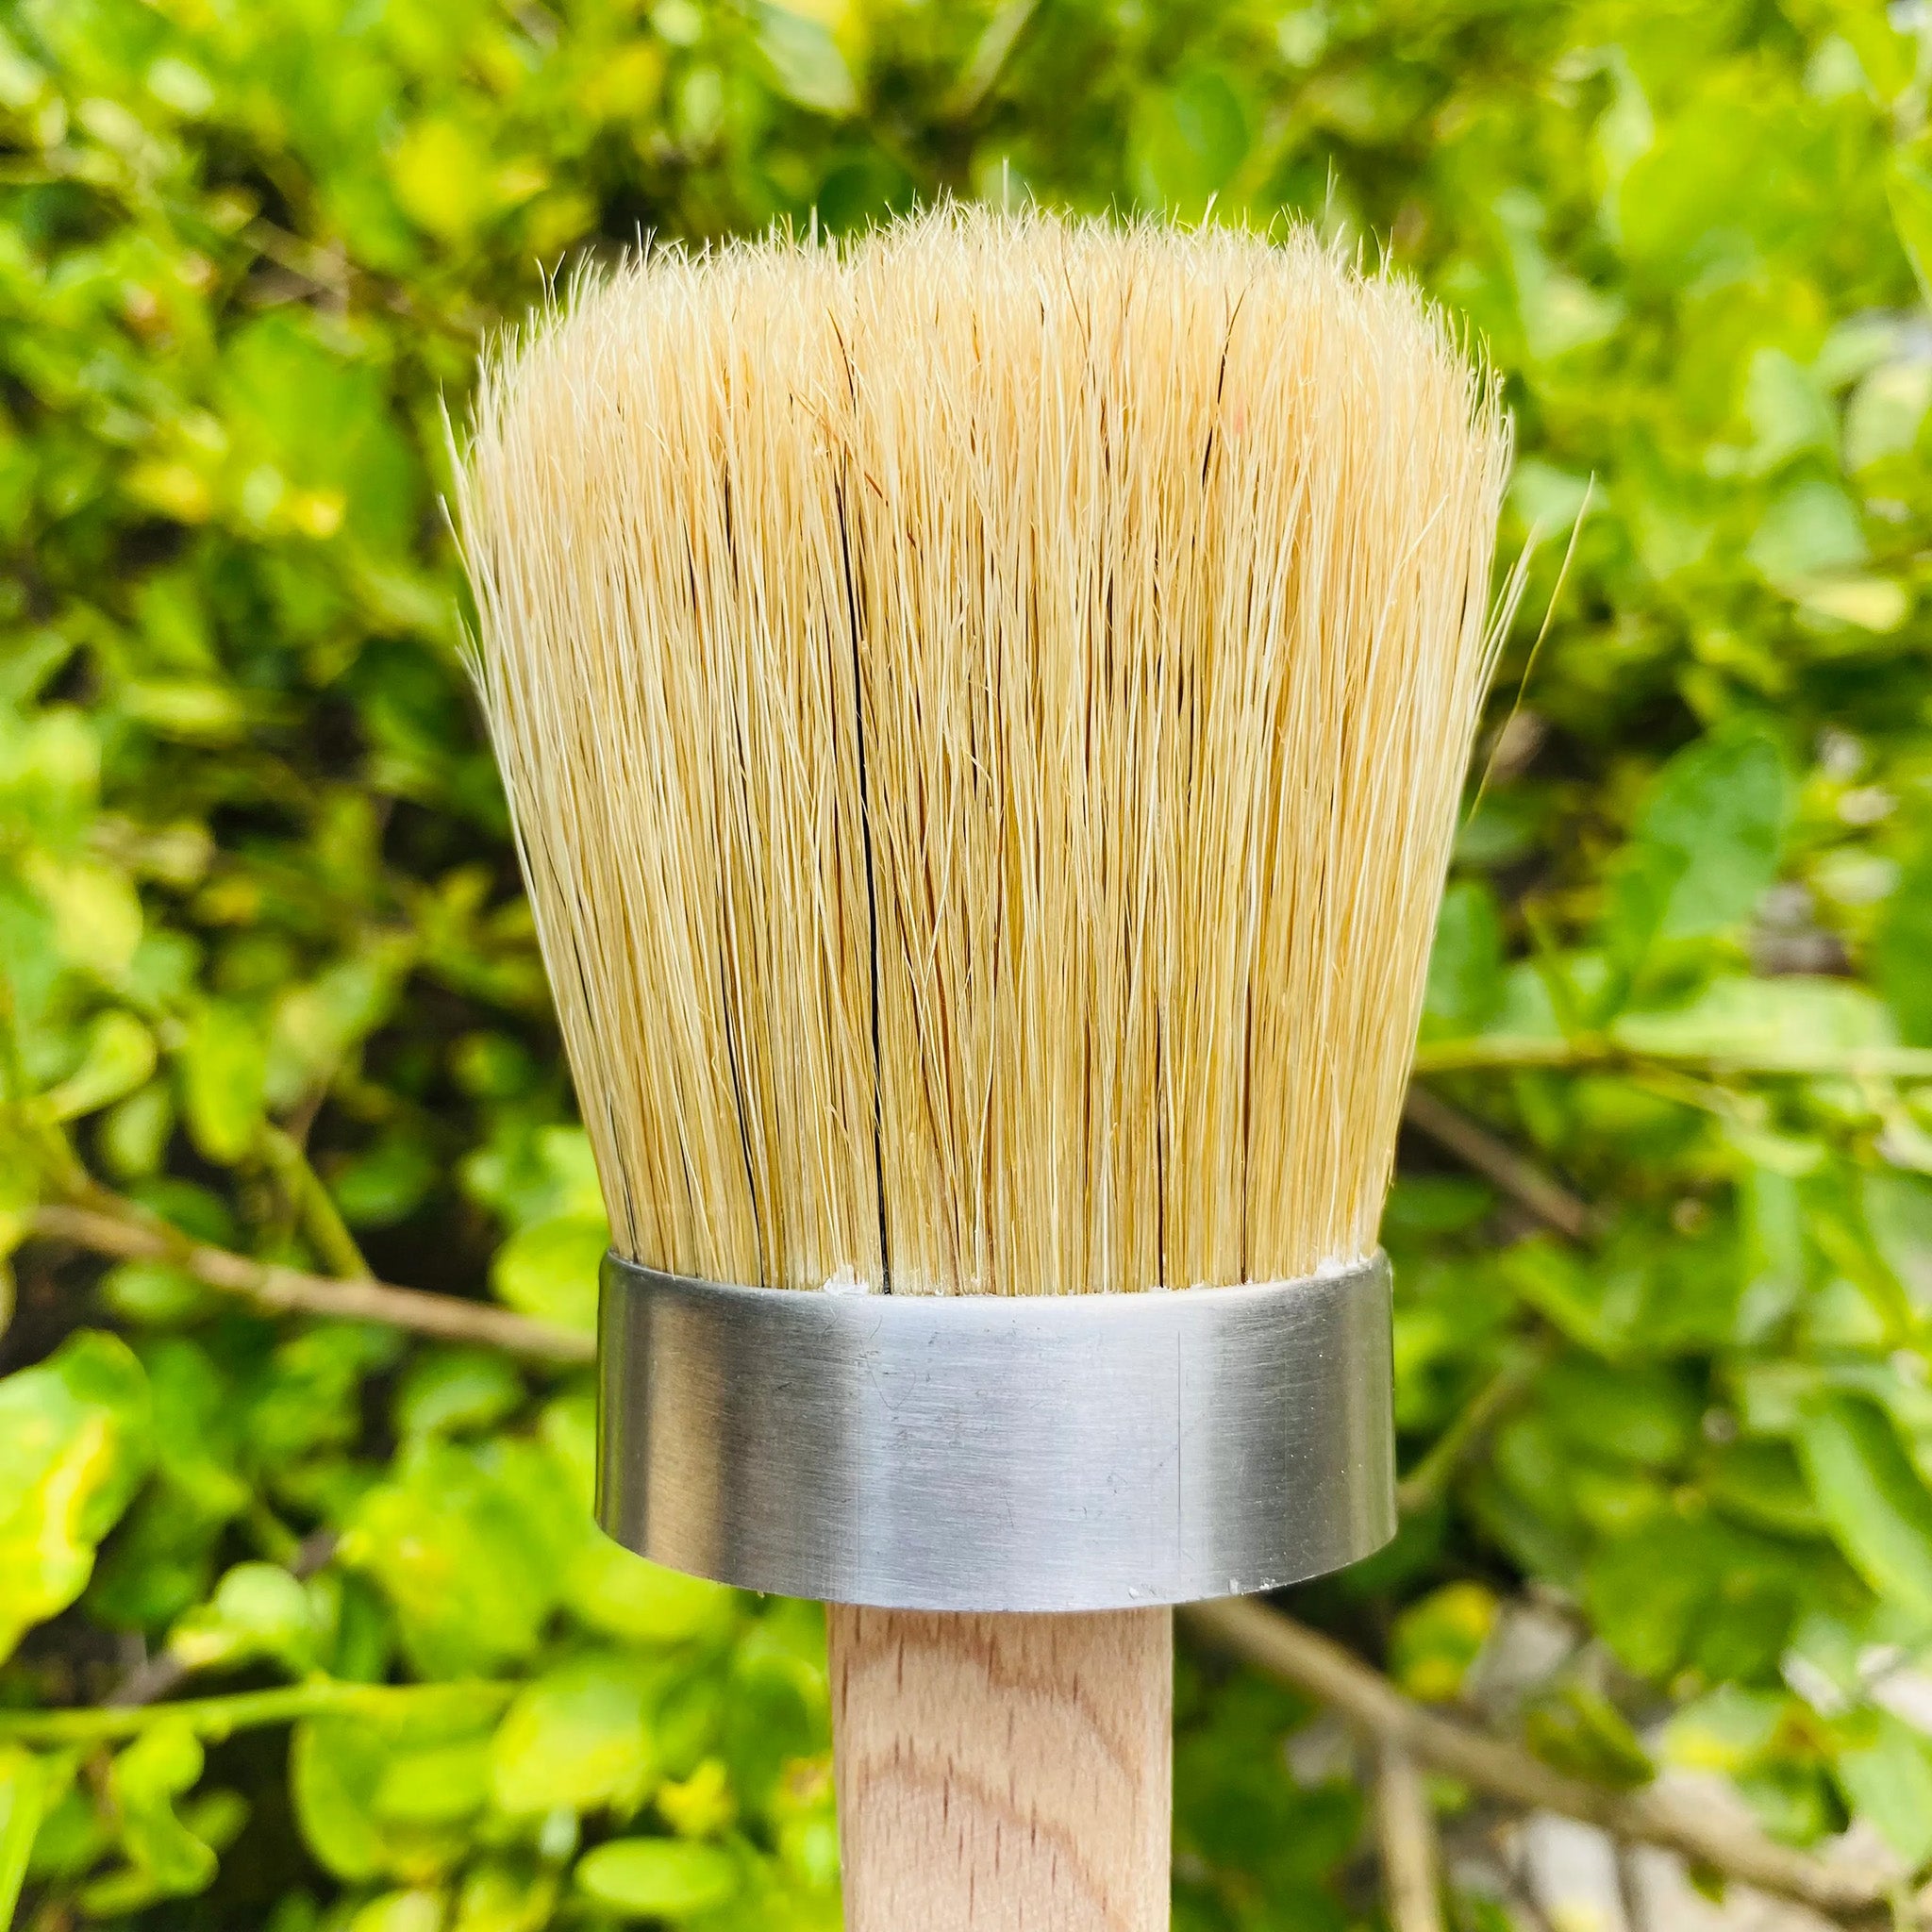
column 984, row 710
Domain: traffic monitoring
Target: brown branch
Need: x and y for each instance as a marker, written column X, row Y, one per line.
column 1406, row 1836
column 1496, row 1160
column 1496, row 1052
column 1284, row 1649
column 270, row 1286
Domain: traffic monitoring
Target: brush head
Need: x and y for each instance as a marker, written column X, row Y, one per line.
column 984, row 710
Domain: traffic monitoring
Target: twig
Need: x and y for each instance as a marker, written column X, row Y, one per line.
column 1546, row 1198
column 241, row 1710
column 1426, row 1481
column 293, row 1290
column 1285, row 1649
column 148, row 1682
column 1499, row 1051
column 1406, row 1834
column 334, row 274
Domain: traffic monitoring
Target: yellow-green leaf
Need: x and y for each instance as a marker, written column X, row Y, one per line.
column 579, row 1736
column 72, row 1450
column 22, row 1790
column 550, row 1269
column 1875, row 1502
column 223, row 1076
column 1437, row 1640
column 806, row 60
column 657, row 1878
column 443, row 178
column 119, row 1056
column 1909, row 188
column 96, row 912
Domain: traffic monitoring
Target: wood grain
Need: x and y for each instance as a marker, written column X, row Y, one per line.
column 1003, row 1774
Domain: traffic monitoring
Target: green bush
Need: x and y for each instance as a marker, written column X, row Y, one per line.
column 271, row 987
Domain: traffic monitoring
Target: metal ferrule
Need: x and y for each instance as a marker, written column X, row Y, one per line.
column 997, row 1453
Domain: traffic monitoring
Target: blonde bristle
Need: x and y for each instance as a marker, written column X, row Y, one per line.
column 984, row 710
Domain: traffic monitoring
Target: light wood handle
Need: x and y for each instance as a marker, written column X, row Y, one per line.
column 1003, row 1774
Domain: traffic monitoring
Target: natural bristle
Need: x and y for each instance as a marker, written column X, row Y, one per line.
column 984, row 710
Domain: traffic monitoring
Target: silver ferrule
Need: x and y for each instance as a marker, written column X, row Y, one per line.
column 997, row 1453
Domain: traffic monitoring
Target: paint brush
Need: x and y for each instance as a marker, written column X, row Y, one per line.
column 983, row 707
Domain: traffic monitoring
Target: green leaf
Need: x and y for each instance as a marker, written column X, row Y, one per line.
column 165, row 1857
column 1707, row 841
column 1762, row 1482
column 1787, row 412
column 197, row 1437
column 619, row 1592
column 340, row 1769
column 442, row 179
column 156, row 1294
column 119, row 1057
column 1886, row 413
column 258, row 1610
column 1558, row 311
column 224, row 1078
column 1647, row 1590
column 455, row 1391
column 469, row 1547
column 577, row 1737
column 1908, row 190
column 806, row 60
column 1879, row 1509
column 97, row 915
column 73, row 1451
column 1589, row 1303
column 1870, row 603
column 1812, row 529
column 1902, row 945
column 334, row 1767
column 309, row 1397
column 1644, row 1415
column 1187, row 142
column 1465, row 982
column 702, row 1805
column 23, row 1793
column 1890, row 1781
column 436, row 1785
column 500, row 1896
column 550, row 1269
column 1437, row 1640
column 773, row 1711
column 657, row 1878
column 1727, row 1730
column 314, row 431
column 319, row 1024
column 1898, row 1216
column 387, row 1180
column 530, row 1177
column 416, row 1909
column 133, row 1137
column 1579, row 1731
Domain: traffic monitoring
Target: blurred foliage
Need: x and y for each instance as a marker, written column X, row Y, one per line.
column 268, row 974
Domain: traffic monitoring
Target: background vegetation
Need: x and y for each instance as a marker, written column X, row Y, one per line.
column 303, row 1619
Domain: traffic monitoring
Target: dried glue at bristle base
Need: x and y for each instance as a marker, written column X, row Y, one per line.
column 984, row 708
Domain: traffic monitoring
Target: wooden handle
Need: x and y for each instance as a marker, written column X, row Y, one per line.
column 1008, row 1774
